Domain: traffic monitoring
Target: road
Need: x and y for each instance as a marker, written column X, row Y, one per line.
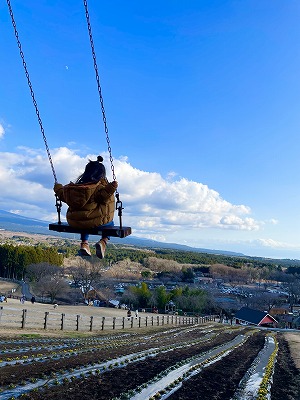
column 25, row 290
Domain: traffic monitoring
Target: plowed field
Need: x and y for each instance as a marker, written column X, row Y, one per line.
column 122, row 365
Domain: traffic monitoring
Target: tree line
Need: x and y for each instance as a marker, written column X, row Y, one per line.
column 192, row 300
column 15, row 259
column 121, row 252
column 48, row 282
column 122, row 262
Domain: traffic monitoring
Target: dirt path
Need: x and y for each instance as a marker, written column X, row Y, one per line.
column 68, row 309
column 7, row 286
column 286, row 378
column 293, row 339
column 12, row 311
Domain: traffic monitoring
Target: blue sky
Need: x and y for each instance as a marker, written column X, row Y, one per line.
column 202, row 102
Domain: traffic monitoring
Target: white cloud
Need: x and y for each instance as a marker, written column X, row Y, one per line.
column 166, row 205
column 275, row 244
column 260, row 244
column 171, row 175
column 2, row 131
column 154, row 206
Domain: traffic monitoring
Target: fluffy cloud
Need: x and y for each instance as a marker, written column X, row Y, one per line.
column 156, row 202
column 274, row 244
column 2, row 131
column 153, row 204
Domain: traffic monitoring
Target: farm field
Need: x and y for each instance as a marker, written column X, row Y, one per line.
column 209, row 361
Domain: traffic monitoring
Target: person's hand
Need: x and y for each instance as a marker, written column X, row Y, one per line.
column 115, row 184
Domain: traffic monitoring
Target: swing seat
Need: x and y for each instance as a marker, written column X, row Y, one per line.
column 114, row 231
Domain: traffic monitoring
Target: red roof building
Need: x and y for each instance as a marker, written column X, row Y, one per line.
column 249, row 316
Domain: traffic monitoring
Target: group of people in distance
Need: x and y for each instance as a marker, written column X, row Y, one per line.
column 90, row 203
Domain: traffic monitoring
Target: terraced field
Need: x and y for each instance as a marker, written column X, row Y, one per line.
column 209, row 361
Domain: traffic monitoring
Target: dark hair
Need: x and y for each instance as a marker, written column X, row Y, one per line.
column 94, row 171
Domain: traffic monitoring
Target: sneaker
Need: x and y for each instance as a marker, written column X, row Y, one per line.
column 100, row 248
column 85, row 250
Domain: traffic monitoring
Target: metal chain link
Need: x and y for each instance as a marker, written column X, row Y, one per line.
column 99, row 86
column 119, row 204
column 30, row 88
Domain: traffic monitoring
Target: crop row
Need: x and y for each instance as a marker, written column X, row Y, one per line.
column 67, row 371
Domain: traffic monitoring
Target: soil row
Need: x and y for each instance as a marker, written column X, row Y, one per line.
column 114, row 383
column 217, row 381
column 21, row 372
column 119, row 380
column 220, row 380
column 286, row 378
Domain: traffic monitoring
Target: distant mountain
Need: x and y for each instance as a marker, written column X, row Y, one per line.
column 153, row 244
column 18, row 223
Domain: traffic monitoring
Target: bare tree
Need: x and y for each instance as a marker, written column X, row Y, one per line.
column 160, row 264
column 263, row 275
column 35, row 272
column 292, row 287
column 130, row 298
column 125, row 269
column 230, row 275
column 86, row 274
column 264, row 301
column 52, row 286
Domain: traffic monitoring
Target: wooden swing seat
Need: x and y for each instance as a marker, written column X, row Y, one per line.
column 114, row 231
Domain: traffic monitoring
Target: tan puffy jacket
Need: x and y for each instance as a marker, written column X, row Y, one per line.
column 90, row 204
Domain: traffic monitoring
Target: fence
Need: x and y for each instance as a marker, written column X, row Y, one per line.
column 74, row 322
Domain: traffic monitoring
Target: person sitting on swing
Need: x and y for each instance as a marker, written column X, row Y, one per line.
column 91, row 203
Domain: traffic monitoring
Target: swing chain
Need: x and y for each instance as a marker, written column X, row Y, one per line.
column 98, row 85
column 119, row 207
column 119, row 204
column 31, row 88
column 58, row 205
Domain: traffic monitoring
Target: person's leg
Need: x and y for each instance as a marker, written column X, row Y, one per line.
column 84, row 237
column 101, row 245
column 84, row 247
column 108, row 225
